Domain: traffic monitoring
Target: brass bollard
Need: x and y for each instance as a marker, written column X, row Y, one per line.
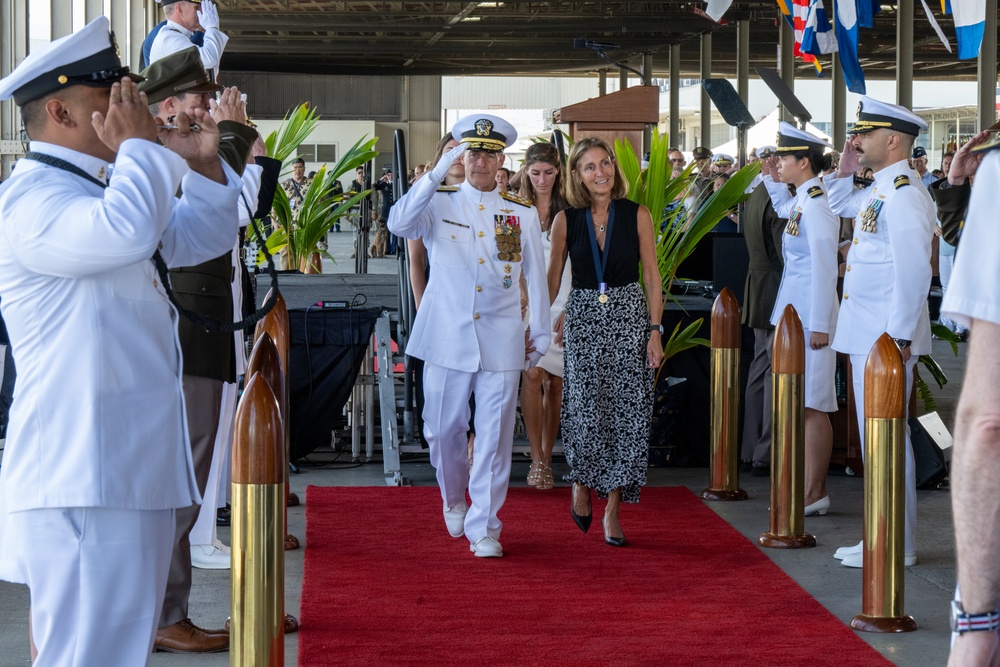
column 275, row 323
column 885, row 492
column 726, row 340
column 788, row 437
column 256, row 634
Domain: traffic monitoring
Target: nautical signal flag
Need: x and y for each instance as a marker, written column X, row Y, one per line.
column 716, row 8
column 796, row 14
column 846, row 16
column 970, row 23
column 818, row 37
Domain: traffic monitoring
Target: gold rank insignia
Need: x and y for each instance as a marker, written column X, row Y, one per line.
column 483, row 127
column 792, row 228
column 901, row 181
column 814, row 191
column 509, row 196
column 869, row 216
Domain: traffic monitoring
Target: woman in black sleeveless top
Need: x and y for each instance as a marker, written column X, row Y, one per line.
column 611, row 332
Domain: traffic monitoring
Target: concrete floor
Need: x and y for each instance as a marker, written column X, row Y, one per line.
column 928, row 585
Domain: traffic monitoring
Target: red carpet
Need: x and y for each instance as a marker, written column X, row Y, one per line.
column 385, row 585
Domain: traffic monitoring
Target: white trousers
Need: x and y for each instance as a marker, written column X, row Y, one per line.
column 205, row 528
column 446, row 423
column 910, row 482
column 97, row 578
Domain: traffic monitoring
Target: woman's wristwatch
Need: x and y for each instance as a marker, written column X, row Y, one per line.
column 656, row 327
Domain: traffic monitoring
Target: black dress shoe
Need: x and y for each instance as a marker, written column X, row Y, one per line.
column 583, row 522
column 612, row 541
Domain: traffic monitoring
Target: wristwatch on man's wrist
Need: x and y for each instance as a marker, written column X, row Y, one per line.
column 962, row 622
column 902, row 343
column 656, row 327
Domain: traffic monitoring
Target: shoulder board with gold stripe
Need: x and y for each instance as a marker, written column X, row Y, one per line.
column 514, row 198
column 815, row 191
column 448, row 188
column 901, row 181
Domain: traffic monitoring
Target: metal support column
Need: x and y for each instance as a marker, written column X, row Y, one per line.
column 675, row 96
column 61, row 18
column 13, row 49
column 623, row 77
column 602, row 82
column 987, row 73
column 647, row 80
column 706, row 103
column 786, row 63
column 387, row 402
column 839, row 115
column 743, row 75
column 904, row 54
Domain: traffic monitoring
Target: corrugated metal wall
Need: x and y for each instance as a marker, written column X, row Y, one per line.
column 271, row 95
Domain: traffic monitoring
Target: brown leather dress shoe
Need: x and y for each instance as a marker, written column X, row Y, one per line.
column 186, row 637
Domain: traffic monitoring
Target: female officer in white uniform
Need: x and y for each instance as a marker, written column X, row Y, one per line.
column 809, row 284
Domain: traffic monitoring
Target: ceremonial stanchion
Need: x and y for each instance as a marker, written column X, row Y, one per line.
column 726, row 340
column 256, row 632
column 275, row 323
column 788, row 437
column 265, row 361
column 885, row 492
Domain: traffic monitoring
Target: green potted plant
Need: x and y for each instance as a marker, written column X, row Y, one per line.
column 299, row 238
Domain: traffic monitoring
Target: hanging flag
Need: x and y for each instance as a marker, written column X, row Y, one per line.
column 818, row 37
column 846, row 15
column 934, row 24
column 796, row 17
column 946, row 6
column 716, row 8
column 970, row 23
column 867, row 9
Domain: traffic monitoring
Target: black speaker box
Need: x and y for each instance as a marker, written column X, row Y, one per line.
column 928, row 456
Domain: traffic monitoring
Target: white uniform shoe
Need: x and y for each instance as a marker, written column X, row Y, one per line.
column 844, row 552
column 213, row 556
column 857, row 560
column 454, row 518
column 487, row 547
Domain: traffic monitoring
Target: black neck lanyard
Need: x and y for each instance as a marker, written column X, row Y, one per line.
column 601, row 261
column 161, row 266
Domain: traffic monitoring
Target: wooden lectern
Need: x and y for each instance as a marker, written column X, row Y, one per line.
column 620, row 115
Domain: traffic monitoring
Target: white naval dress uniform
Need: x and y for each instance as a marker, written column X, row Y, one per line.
column 809, row 279
column 887, row 279
column 468, row 331
column 174, row 37
column 97, row 455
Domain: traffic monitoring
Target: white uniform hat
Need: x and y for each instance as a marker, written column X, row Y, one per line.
column 793, row 140
column 484, row 132
column 88, row 57
column 766, row 151
column 874, row 115
column 723, row 160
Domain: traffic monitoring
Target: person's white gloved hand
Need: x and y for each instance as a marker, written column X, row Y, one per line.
column 208, row 15
column 444, row 164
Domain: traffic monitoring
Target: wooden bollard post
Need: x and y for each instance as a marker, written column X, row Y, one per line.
column 726, row 340
column 788, row 437
column 885, row 492
column 256, row 633
column 265, row 361
column 275, row 323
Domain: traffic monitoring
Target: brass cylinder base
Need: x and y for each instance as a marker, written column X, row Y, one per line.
column 772, row 541
column 725, row 458
column 724, row 494
column 257, row 630
column 866, row 623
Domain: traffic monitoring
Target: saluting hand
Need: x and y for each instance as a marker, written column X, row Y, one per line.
column 128, row 116
column 850, row 160
column 229, row 107
column 196, row 139
column 966, row 161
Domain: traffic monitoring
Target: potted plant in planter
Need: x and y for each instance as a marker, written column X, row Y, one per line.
column 299, row 238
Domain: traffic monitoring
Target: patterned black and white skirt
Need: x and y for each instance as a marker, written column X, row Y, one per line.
column 607, row 390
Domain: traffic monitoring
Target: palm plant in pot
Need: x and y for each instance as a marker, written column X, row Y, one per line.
column 300, row 237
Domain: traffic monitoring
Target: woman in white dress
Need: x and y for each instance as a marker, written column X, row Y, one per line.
column 809, row 284
column 541, row 387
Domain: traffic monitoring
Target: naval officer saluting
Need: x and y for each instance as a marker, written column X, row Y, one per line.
column 97, row 456
column 888, row 273
column 468, row 330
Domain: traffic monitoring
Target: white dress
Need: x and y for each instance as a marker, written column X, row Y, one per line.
column 552, row 361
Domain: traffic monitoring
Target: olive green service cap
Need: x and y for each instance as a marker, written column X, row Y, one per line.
column 180, row 72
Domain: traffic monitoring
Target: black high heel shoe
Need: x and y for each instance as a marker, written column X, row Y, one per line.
column 583, row 522
column 612, row 541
